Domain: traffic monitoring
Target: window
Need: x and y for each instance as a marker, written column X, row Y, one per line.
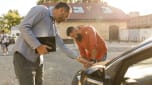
column 106, row 10
column 78, row 10
column 140, row 73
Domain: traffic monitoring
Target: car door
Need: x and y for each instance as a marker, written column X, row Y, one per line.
column 139, row 73
column 135, row 58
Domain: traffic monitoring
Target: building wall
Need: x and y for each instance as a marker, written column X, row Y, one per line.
column 145, row 33
column 137, row 35
column 134, row 14
column 123, row 34
column 134, row 35
column 15, row 31
column 102, row 27
column 140, row 22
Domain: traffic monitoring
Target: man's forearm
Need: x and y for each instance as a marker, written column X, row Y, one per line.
column 83, row 60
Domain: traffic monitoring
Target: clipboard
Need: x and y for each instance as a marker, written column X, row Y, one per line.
column 50, row 41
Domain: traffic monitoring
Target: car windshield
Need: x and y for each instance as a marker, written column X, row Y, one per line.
column 140, row 72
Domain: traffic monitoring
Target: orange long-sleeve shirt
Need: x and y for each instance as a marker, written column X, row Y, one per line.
column 91, row 40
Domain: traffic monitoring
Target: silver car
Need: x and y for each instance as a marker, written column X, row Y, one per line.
column 133, row 67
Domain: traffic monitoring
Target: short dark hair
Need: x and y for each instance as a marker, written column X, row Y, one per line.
column 69, row 30
column 63, row 5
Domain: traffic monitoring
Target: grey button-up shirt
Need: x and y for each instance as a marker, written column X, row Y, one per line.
column 38, row 23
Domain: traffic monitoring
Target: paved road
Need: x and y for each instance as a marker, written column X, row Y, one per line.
column 58, row 68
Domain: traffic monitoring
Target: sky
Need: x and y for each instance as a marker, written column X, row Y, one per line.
column 142, row 6
column 23, row 6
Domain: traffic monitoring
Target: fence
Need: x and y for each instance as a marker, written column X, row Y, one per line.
column 135, row 35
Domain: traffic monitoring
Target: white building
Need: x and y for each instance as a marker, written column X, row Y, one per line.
column 15, row 32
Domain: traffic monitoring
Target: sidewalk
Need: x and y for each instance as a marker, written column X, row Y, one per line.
column 122, row 44
column 112, row 45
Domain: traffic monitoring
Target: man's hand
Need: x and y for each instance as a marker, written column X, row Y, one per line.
column 85, row 62
column 42, row 49
column 88, row 64
column 82, row 60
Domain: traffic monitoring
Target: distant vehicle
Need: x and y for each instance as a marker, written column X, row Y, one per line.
column 133, row 67
column 11, row 40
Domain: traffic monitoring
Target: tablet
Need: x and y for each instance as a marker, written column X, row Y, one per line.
column 50, row 41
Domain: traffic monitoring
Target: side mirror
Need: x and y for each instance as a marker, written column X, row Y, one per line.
column 96, row 72
column 94, row 75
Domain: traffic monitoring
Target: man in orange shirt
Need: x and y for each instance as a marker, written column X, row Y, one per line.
column 91, row 45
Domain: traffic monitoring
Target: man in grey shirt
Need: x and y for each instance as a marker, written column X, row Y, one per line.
column 39, row 22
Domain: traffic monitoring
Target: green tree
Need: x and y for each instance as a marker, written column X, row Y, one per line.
column 68, row 1
column 12, row 18
column 1, row 23
column 45, row 1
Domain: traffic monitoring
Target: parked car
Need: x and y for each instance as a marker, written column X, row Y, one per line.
column 133, row 67
column 11, row 40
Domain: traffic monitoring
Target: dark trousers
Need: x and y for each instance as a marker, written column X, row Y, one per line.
column 27, row 72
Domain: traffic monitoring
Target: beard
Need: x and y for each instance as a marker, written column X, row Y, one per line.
column 79, row 37
column 60, row 19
